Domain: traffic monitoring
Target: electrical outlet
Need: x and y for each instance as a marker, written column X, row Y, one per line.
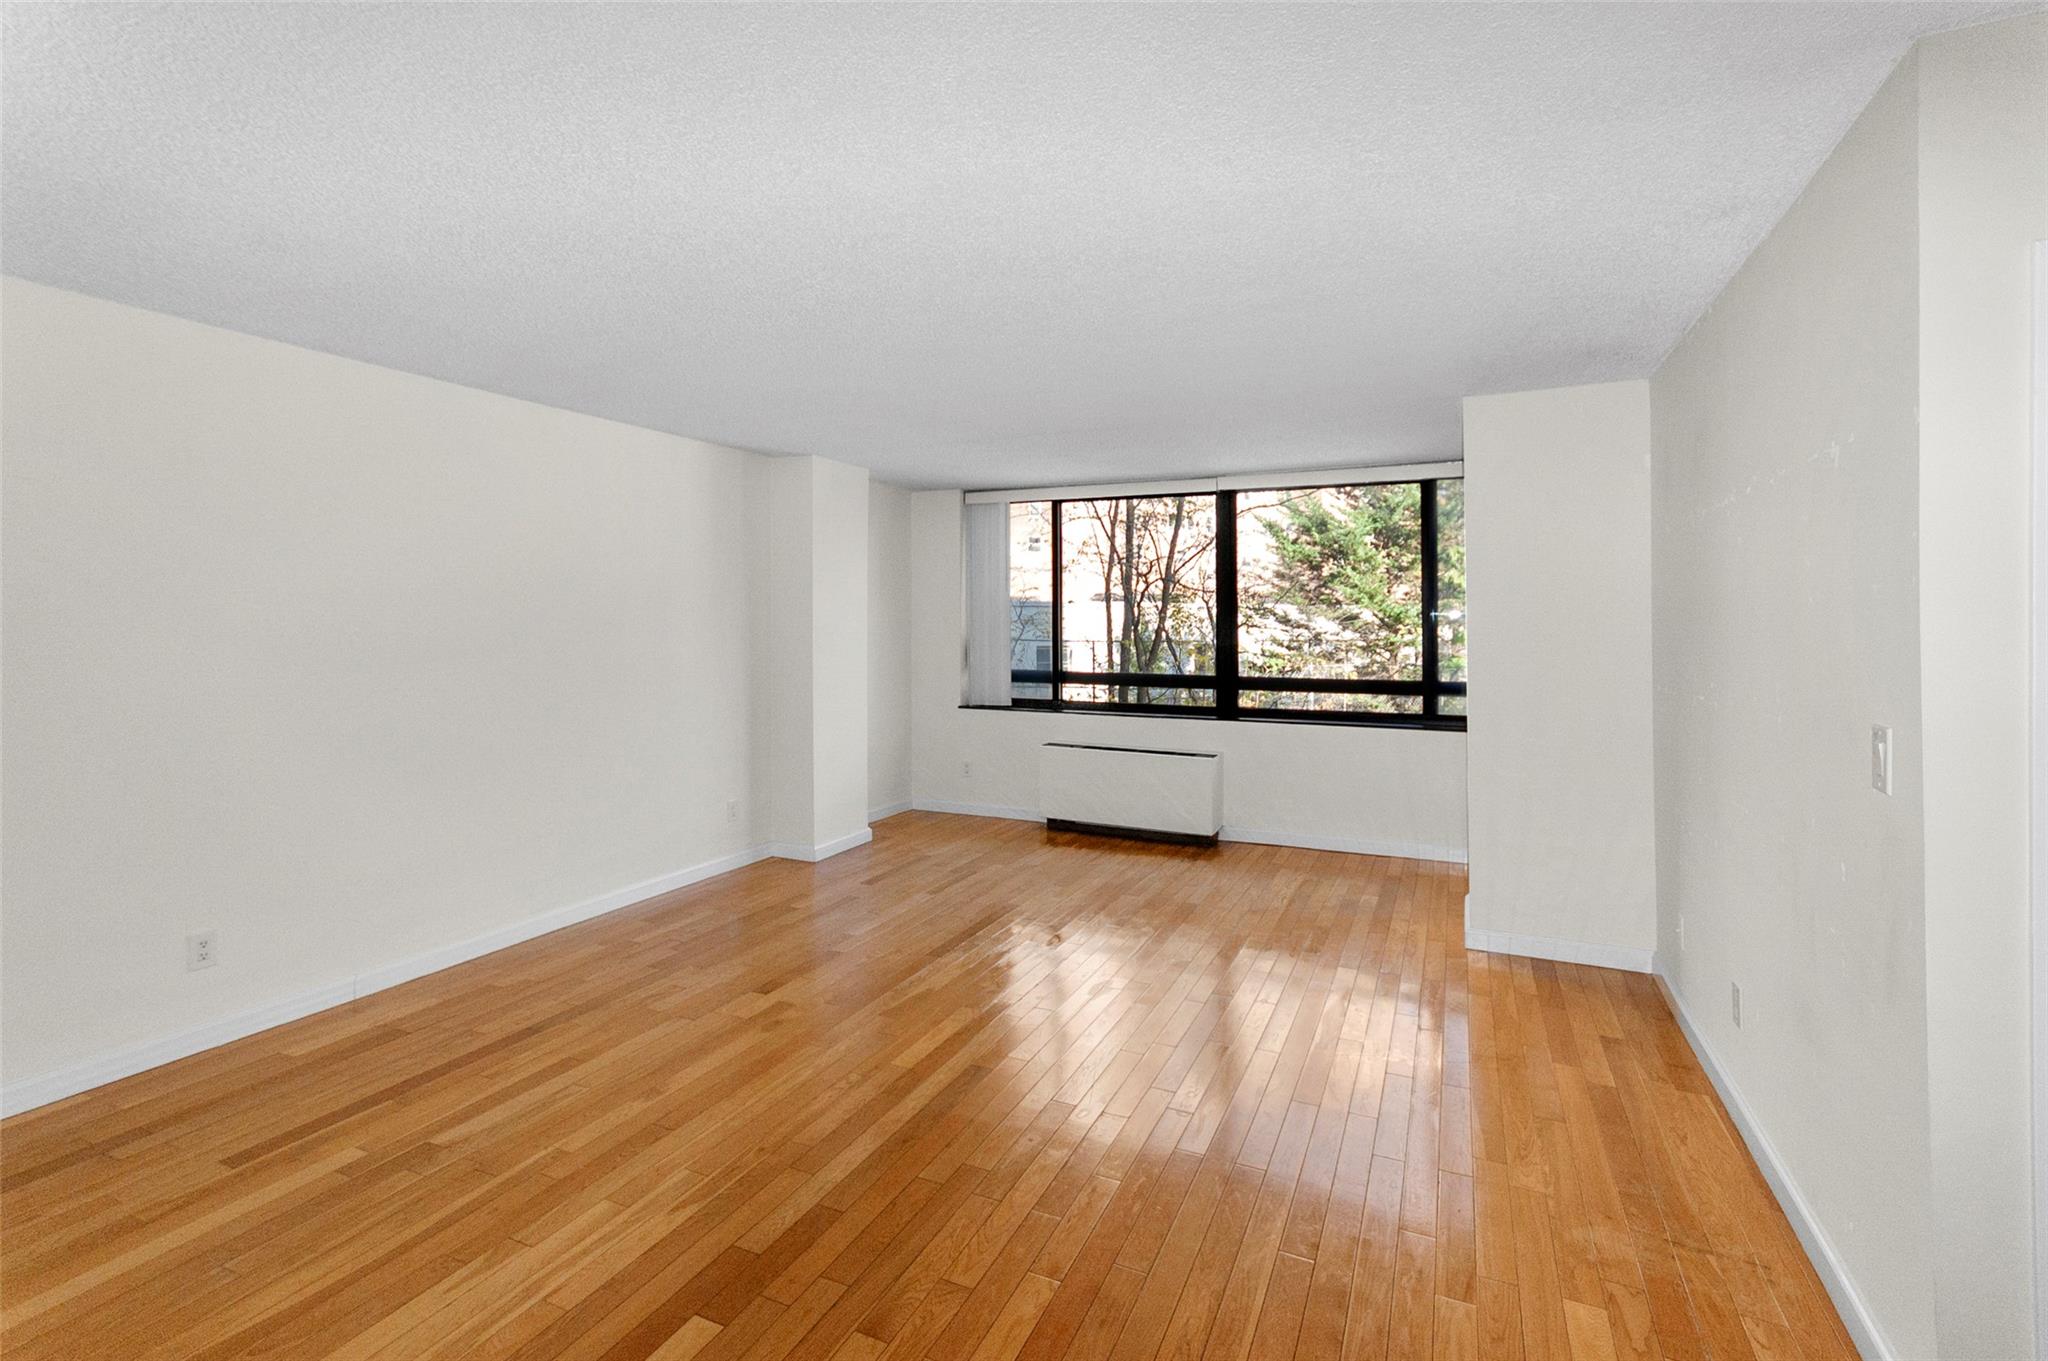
column 202, row 950
column 1735, row 1003
column 967, row 770
column 732, row 810
column 1880, row 758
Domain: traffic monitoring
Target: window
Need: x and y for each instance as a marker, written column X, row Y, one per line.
column 1450, row 594
column 1030, row 602
column 1340, row 603
column 1329, row 583
column 1138, row 600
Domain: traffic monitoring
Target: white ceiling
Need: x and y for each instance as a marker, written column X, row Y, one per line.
column 962, row 245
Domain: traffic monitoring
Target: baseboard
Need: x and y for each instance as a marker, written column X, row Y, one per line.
column 32, row 1092
column 1400, row 850
column 889, row 810
column 447, row 956
column 1563, row 951
column 824, row 850
column 977, row 810
column 1820, row 1249
column 1403, row 850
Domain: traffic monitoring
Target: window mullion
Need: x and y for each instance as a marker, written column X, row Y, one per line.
column 1226, row 604
column 1059, row 623
column 1430, row 684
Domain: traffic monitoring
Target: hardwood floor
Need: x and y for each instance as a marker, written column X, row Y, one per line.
column 974, row 1093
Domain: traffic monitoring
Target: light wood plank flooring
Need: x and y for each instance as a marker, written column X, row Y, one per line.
column 974, row 1093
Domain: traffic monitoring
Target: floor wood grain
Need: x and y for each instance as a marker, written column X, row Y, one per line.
column 976, row 1092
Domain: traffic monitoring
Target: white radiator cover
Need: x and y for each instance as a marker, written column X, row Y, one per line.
column 1173, row 793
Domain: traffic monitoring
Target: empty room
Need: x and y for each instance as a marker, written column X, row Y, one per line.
column 1024, row 682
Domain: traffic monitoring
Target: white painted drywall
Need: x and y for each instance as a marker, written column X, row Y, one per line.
column 888, row 648
column 812, row 652
column 783, row 676
column 1983, row 203
column 1557, row 524
column 1787, row 622
column 1384, row 790
column 839, row 652
column 342, row 663
column 1851, row 419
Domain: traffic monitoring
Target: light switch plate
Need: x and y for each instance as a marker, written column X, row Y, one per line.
column 1880, row 758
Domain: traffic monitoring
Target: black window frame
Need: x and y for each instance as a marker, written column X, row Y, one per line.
column 1228, row 683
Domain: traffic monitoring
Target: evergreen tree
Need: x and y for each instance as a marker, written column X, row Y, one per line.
column 1341, row 594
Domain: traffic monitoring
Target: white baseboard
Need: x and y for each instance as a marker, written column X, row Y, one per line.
column 30, row 1093
column 978, row 810
column 1820, row 1249
column 889, row 810
column 1405, row 850
column 1400, row 850
column 1563, row 951
column 824, row 850
column 433, row 961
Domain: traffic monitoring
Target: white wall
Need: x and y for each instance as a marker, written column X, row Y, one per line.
column 342, row 663
column 1383, row 790
column 1786, row 624
column 1557, row 527
column 1842, row 488
column 1983, row 203
column 839, row 655
column 784, row 714
column 812, row 652
column 888, row 648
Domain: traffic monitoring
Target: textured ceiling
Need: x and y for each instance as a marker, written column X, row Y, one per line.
column 962, row 245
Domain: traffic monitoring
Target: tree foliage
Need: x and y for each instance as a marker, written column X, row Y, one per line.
column 1155, row 559
column 1450, row 579
column 1340, row 592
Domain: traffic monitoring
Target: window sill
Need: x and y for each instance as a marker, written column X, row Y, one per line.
column 1447, row 723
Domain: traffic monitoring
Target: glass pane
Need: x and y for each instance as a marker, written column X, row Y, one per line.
column 1030, row 595
column 1450, row 584
column 1330, row 582
column 1139, row 584
column 1183, row 696
column 1451, row 704
column 1304, row 702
